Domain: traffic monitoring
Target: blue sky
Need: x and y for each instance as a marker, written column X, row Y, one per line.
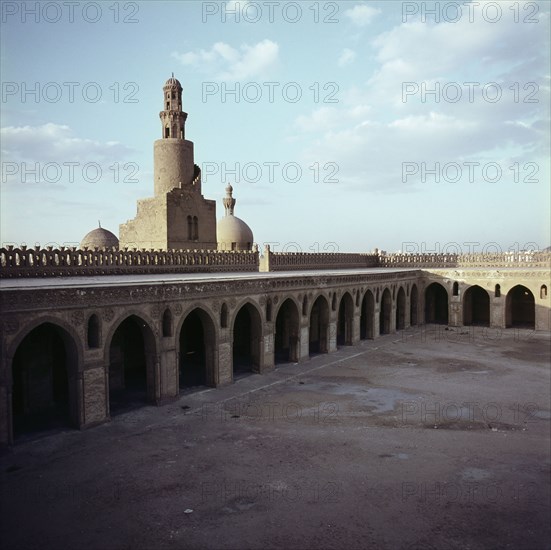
column 398, row 125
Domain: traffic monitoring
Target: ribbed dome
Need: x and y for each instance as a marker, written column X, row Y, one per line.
column 99, row 238
column 173, row 82
column 234, row 234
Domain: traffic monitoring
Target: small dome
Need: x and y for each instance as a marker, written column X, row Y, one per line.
column 234, row 234
column 173, row 83
column 99, row 238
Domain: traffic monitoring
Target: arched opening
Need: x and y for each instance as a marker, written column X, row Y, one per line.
column 401, row 310
column 366, row 316
column 167, row 323
column 93, row 334
column 436, row 304
column 224, row 316
column 334, row 302
column 345, row 323
column 195, row 228
column 247, row 336
column 497, row 291
column 520, row 308
column 319, row 327
column 413, row 306
column 476, row 307
column 197, row 345
column 456, row 289
column 43, row 397
column 385, row 312
column 131, row 365
column 286, row 347
column 543, row 292
column 305, row 306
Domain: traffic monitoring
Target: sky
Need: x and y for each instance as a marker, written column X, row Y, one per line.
column 342, row 126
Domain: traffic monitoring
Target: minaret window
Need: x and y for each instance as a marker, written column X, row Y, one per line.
column 195, row 228
column 167, row 132
column 189, row 228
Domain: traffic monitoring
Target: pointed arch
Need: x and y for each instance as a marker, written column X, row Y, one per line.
column 401, row 309
column 319, row 326
column 197, row 347
column 93, row 335
column 287, row 330
column 367, row 314
column 436, row 304
column 345, row 320
column 224, row 316
column 246, row 339
column 44, row 381
column 520, row 308
column 385, row 312
column 132, row 353
column 414, row 306
column 476, row 307
column 167, row 323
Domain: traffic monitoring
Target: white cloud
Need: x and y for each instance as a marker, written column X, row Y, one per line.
column 57, row 143
column 362, row 14
column 228, row 63
column 373, row 130
column 347, row 56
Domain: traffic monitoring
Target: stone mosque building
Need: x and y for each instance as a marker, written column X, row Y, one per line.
column 177, row 217
column 92, row 332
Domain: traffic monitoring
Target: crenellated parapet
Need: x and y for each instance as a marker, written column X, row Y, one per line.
column 52, row 262
column 507, row 259
column 67, row 262
column 291, row 261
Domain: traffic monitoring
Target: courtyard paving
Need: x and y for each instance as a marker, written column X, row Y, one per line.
column 425, row 439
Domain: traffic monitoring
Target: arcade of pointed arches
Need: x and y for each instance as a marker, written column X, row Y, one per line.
column 46, row 372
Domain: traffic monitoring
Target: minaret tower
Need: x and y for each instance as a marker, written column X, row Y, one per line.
column 173, row 163
column 228, row 201
column 173, row 118
column 177, row 217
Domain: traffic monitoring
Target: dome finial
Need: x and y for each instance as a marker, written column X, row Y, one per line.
column 99, row 224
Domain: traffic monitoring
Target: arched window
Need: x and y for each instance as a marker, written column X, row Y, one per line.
column 195, row 228
column 93, row 332
column 357, row 298
column 305, row 306
column 456, row 289
column 269, row 310
column 167, row 323
column 497, row 292
column 224, row 316
column 167, row 132
column 334, row 302
column 543, row 292
column 377, row 296
column 189, row 228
